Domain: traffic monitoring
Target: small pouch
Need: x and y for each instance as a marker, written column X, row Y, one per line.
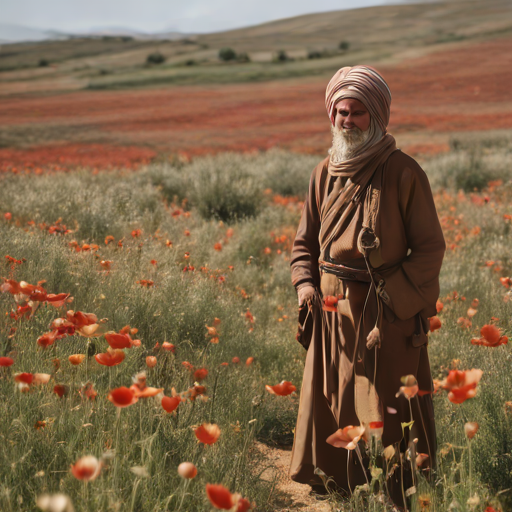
column 305, row 327
column 419, row 336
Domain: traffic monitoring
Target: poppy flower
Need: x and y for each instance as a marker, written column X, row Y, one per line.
column 76, row 359
column 170, row 403
column 88, row 391
column 8, row 216
column 207, row 433
column 243, row 505
column 283, row 389
column 119, row 340
column 60, row 390
column 249, row 317
column 490, row 337
column 439, row 306
column 109, row 239
column 219, row 496
column 47, row 339
column 112, row 357
column 461, row 385
column 151, row 361
column 169, row 347
column 122, row 397
column 6, row 361
column 346, row 437
column 214, row 340
column 187, row 470
column 218, row 246
column 249, row 361
column 146, row 391
column 200, row 374
column 470, row 429
column 421, row 458
column 212, row 331
column 86, row 468
column 41, row 378
column 435, row 323
column 330, row 303
column 25, row 378
column 235, row 360
column 409, row 388
column 188, row 365
column 464, row 323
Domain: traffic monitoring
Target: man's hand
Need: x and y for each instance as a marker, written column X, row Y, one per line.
column 305, row 292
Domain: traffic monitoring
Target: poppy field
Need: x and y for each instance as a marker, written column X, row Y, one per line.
column 148, row 336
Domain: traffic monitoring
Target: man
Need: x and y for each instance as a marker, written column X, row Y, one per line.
column 365, row 263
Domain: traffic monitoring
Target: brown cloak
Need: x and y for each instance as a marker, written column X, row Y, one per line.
column 411, row 248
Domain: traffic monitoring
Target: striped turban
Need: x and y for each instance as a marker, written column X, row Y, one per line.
column 364, row 84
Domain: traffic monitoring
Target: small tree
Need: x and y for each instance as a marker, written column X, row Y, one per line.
column 344, row 45
column 281, row 56
column 155, row 58
column 226, row 54
column 43, row 63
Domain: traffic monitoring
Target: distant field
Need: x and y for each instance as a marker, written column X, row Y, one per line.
column 434, row 97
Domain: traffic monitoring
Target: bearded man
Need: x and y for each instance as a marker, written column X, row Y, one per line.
column 365, row 263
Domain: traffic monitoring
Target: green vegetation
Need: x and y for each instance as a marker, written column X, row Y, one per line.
column 155, row 58
column 181, row 203
column 227, row 54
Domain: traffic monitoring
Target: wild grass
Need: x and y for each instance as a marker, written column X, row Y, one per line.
column 249, row 273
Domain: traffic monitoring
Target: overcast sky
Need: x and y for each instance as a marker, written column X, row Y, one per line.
column 162, row 15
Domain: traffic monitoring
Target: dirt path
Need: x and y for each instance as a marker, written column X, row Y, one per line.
column 296, row 496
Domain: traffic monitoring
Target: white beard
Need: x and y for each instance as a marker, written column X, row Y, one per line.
column 345, row 143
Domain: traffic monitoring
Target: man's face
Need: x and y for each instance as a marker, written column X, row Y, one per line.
column 351, row 113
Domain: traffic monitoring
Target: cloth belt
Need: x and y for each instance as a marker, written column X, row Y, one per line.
column 346, row 273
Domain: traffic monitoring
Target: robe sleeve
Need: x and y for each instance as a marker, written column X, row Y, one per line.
column 306, row 247
column 414, row 286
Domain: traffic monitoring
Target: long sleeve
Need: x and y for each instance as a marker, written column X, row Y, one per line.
column 414, row 286
column 306, row 247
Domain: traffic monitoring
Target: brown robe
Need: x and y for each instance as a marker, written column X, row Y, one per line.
column 411, row 249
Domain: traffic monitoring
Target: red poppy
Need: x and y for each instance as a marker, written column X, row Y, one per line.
column 249, row 317
column 122, row 397
column 244, row 505
column 151, row 361
column 188, row 365
column 8, row 216
column 6, row 361
column 47, row 339
column 26, row 378
column 170, row 403
column 218, row 246
column 112, row 357
column 146, row 391
column 249, row 361
column 60, row 390
column 106, row 264
column 86, row 468
column 506, row 282
column 283, row 389
column 118, row 340
column 207, row 433
column 136, row 233
column 88, row 391
column 471, row 428
column 439, row 306
column 330, row 303
column 200, row 374
column 461, row 385
column 435, row 323
column 346, row 437
column 219, row 496
column 109, row 239
column 212, row 331
column 187, row 470
column 235, row 360
column 490, row 337
column 154, row 262
column 76, row 359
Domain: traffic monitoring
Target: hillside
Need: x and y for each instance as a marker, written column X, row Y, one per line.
column 385, row 34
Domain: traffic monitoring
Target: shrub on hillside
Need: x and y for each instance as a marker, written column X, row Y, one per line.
column 222, row 189
column 227, row 54
column 155, row 58
column 44, row 63
column 281, row 56
column 344, row 45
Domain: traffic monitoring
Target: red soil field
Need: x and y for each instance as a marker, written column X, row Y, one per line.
column 465, row 89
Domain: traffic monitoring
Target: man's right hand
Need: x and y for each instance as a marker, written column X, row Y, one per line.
column 305, row 293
